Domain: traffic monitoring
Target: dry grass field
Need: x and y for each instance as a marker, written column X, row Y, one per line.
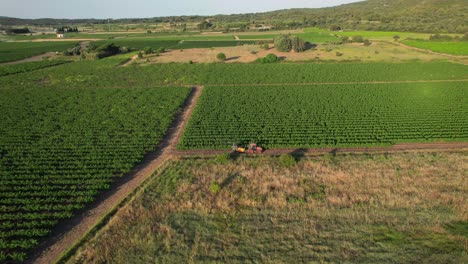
column 382, row 208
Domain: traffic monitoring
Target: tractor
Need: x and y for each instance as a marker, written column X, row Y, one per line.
column 252, row 149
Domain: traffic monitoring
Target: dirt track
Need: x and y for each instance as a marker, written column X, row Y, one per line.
column 67, row 235
column 30, row 59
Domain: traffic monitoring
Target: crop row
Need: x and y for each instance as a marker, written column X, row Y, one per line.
column 328, row 115
column 59, row 148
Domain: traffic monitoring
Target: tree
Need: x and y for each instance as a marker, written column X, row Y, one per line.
column 204, row 25
column 297, row 44
column 140, row 55
column 221, row 56
column 345, row 39
column 396, row 37
column 367, row 42
column 283, row 43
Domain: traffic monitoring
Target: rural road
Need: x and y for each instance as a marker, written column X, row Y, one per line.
column 69, row 234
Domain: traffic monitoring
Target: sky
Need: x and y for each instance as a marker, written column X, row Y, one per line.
column 148, row 8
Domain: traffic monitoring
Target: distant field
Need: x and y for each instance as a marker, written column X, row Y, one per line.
column 28, row 66
column 211, row 44
column 328, row 115
column 10, row 51
column 329, row 209
column 59, row 148
column 455, row 48
column 141, row 43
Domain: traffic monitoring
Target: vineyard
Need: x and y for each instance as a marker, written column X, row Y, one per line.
column 104, row 74
column 28, row 66
column 60, row 147
column 455, row 48
column 10, row 51
column 328, row 115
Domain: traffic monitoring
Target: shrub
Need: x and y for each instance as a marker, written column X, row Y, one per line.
column 270, row 58
column 140, row 55
column 221, row 56
column 161, row 50
column 265, row 46
column 396, row 37
column 148, row 50
column 339, row 54
column 367, row 42
column 214, row 187
column 345, row 39
column 286, row 160
column 358, row 39
column 107, row 50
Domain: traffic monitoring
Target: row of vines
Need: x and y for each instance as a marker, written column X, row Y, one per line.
column 60, row 147
column 328, row 115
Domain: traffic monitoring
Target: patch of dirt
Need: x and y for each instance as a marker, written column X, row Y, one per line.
column 378, row 51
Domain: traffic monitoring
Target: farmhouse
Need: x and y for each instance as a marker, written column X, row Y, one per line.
column 60, row 35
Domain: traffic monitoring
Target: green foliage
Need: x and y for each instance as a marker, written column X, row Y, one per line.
column 339, row 54
column 270, row 58
column 28, row 66
column 223, row 158
column 61, row 147
column 140, row 55
column 282, row 43
column 455, row 48
column 459, row 228
column 24, row 30
column 358, row 39
column 221, row 56
column 303, row 117
column 215, row 187
column 148, row 50
column 367, row 42
column 287, row 160
column 297, row 44
column 11, row 51
column 107, row 50
column 265, row 46
column 396, row 37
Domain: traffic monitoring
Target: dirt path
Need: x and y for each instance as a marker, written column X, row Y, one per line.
column 30, row 59
column 129, row 62
column 68, row 234
column 236, row 38
column 439, row 146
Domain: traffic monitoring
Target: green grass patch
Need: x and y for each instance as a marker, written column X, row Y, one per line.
column 11, row 51
column 455, row 48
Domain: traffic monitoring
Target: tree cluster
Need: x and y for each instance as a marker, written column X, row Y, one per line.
column 286, row 43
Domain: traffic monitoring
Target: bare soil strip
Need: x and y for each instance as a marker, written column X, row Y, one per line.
column 438, row 146
column 70, row 233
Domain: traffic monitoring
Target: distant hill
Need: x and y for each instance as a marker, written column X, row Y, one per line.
column 387, row 15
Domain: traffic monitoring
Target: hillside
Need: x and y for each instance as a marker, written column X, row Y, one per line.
column 387, row 15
